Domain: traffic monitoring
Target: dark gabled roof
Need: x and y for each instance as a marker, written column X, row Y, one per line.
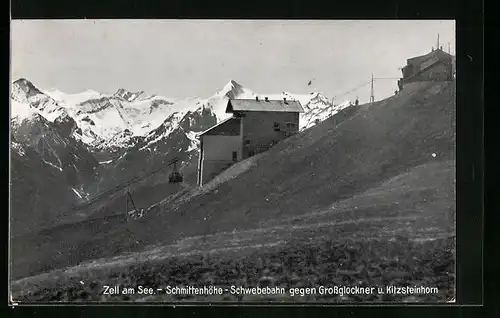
column 217, row 125
column 425, row 68
column 253, row 105
column 417, row 60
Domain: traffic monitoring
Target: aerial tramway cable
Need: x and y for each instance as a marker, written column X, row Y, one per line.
column 174, row 177
column 99, row 196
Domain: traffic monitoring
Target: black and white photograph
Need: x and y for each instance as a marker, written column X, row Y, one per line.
column 230, row 161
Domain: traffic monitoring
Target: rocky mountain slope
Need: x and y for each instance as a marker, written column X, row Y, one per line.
column 48, row 166
column 120, row 121
column 37, row 191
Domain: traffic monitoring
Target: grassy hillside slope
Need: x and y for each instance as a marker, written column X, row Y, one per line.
column 295, row 189
column 399, row 233
column 343, row 156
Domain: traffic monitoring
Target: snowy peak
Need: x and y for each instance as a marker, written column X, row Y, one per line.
column 232, row 90
column 218, row 102
column 310, row 101
column 317, row 107
column 27, row 99
column 128, row 95
column 23, row 90
column 26, row 87
column 318, row 100
column 120, row 120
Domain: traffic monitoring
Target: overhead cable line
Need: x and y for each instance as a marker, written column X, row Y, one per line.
column 97, row 198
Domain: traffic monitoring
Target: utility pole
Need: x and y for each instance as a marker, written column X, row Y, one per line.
column 372, row 98
column 331, row 107
column 449, row 48
column 437, row 44
column 126, row 208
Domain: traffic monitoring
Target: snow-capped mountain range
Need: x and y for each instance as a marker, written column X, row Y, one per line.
column 90, row 142
column 111, row 122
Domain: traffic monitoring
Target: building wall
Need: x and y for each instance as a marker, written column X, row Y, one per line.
column 407, row 70
column 217, row 148
column 217, row 155
column 259, row 133
column 437, row 72
column 414, row 65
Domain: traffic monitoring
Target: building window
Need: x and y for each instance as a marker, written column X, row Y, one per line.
column 247, row 142
column 250, row 153
column 291, row 125
column 276, row 126
column 235, row 156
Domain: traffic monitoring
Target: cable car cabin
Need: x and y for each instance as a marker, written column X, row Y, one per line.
column 175, row 177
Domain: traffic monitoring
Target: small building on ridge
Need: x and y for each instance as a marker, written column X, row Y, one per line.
column 434, row 66
column 254, row 127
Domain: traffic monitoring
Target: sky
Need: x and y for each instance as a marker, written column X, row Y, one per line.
column 195, row 58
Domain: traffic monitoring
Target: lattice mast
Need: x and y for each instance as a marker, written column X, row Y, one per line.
column 372, row 97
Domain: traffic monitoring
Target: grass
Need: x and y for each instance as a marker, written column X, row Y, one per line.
column 366, row 170
column 322, row 262
column 385, row 236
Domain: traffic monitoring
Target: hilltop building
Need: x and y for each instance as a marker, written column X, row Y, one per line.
column 254, row 127
column 434, row 66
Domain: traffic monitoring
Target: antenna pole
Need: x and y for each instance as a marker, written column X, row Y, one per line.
column 131, row 200
column 372, row 97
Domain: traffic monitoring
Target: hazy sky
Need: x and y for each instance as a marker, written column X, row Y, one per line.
column 185, row 58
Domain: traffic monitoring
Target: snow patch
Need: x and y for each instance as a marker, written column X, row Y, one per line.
column 19, row 148
column 76, row 192
column 21, row 111
column 80, row 193
column 168, row 127
column 53, row 165
column 194, row 141
column 72, row 100
column 103, row 119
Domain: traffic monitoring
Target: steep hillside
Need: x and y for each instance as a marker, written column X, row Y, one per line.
column 399, row 233
column 59, row 152
column 48, row 166
column 354, row 151
column 38, row 191
column 345, row 155
column 129, row 134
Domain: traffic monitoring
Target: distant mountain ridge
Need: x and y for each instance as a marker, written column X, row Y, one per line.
column 119, row 121
column 92, row 141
